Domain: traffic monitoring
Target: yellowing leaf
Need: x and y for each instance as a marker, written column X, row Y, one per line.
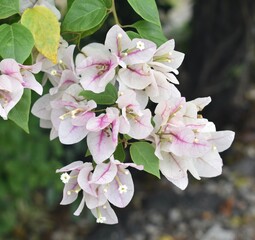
column 45, row 28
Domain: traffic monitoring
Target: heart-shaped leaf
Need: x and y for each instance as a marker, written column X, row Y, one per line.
column 142, row 153
column 16, row 42
column 147, row 9
column 84, row 15
column 150, row 31
column 8, row 8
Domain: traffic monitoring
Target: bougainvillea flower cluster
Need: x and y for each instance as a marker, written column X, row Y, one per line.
column 132, row 73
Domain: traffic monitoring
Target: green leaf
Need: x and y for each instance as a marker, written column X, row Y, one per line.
column 147, row 9
column 132, row 34
column 8, row 8
column 119, row 153
column 150, row 31
column 142, row 153
column 29, row 60
column 108, row 3
column 84, row 15
column 127, row 137
column 16, row 42
column 93, row 30
column 45, row 28
column 72, row 37
column 20, row 113
column 76, row 37
column 69, row 3
column 87, row 154
column 108, row 97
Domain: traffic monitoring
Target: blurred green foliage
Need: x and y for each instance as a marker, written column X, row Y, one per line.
column 28, row 164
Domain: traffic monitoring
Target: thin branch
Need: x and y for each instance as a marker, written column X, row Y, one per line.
column 113, row 10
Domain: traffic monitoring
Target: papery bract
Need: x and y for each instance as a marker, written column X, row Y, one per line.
column 174, row 169
column 105, row 214
column 168, row 56
column 98, row 200
column 160, row 89
column 134, row 121
column 97, row 69
column 71, row 189
column 65, row 61
column 10, row 93
column 136, row 76
column 13, row 79
column 121, row 190
column 102, row 139
column 129, row 52
column 72, row 124
column 67, row 78
column 104, row 173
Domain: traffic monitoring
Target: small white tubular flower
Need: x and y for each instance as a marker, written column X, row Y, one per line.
column 53, row 72
column 65, row 177
column 140, row 45
column 123, row 189
column 101, row 219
